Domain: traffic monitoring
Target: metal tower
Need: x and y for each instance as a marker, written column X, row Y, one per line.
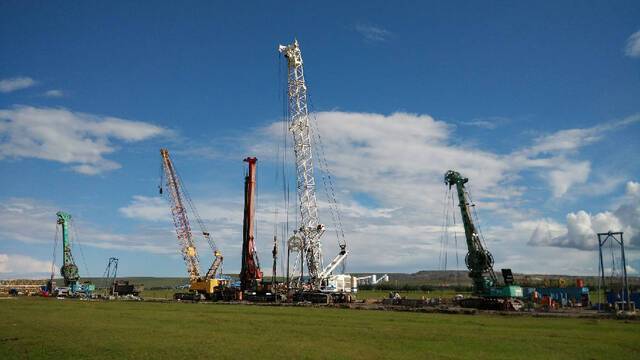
column 307, row 239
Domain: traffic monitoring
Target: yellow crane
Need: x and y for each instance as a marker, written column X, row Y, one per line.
column 211, row 285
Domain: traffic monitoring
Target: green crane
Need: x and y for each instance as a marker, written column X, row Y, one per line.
column 69, row 269
column 479, row 260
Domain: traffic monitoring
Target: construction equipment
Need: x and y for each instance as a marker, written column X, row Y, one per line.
column 251, row 278
column 210, row 286
column 305, row 243
column 69, row 269
column 486, row 292
column 372, row 279
column 118, row 287
column 111, row 272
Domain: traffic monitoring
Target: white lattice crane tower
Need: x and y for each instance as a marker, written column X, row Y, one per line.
column 307, row 238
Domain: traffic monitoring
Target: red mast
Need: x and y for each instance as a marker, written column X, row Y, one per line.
column 250, row 274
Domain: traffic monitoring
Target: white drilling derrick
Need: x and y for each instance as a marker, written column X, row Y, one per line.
column 306, row 240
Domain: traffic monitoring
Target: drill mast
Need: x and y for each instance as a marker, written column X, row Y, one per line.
column 479, row 260
column 250, row 273
column 69, row 270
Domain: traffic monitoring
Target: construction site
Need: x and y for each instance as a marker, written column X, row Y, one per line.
column 301, row 299
column 308, row 279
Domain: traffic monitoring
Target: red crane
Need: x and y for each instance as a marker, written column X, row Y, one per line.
column 250, row 274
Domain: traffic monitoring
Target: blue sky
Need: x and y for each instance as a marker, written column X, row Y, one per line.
column 536, row 102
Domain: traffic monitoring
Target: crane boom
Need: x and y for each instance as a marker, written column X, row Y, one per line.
column 180, row 220
column 310, row 231
column 478, row 259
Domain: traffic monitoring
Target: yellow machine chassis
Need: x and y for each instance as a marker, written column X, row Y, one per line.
column 206, row 286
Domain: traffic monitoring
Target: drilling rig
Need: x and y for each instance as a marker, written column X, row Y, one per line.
column 487, row 294
column 252, row 282
column 69, row 269
column 212, row 285
column 305, row 243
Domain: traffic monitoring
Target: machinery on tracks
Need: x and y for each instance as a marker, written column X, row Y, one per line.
column 73, row 287
column 115, row 287
column 487, row 294
column 212, row 285
column 320, row 285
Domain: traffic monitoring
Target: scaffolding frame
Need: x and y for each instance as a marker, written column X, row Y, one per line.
column 602, row 240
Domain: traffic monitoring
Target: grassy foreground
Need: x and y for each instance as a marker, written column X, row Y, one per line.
column 48, row 328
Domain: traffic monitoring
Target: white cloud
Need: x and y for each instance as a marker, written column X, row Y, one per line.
column 399, row 160
column 582, row 228
column 54, row 93
column 562, row 178
column 23, row 266
column 552, row 154
column 77, row 139
column 373, row 33
column 488, row 123
column 147, row 208
column 633, row 45
column 34, row 222
column 14, row 84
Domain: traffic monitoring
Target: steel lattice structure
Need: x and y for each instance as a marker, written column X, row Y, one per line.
column 307, row 238
column 180, row 220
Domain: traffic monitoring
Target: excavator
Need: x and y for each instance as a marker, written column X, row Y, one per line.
column 487, row 294
column 212, row 285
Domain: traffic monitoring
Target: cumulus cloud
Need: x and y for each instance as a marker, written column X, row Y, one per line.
column 399, row 160
column 582, row 228
column 633, row 45
column 14, row 265
column 373, row 33
column 14, row 84
column 78, row 139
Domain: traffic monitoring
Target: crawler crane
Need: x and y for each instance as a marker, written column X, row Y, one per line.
column 69, row 269
column 211, row 286
column 486, row 292
column 305, row 243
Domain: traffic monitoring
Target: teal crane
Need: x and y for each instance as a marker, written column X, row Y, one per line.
column 479, row 261
column 69, row 269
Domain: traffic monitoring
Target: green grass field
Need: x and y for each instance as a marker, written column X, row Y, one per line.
column 38, row 328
